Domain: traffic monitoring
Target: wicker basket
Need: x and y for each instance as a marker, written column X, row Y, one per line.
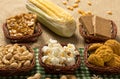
column 97, row 69
column 92, row 39
column 21, row 70
column 52, row 69
column 23, row 39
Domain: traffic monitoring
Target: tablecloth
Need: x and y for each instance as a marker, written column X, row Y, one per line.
column 98, row 7
column 81, row 73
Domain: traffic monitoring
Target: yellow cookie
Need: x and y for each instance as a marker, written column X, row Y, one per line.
column 94, row 46
column 105, row 52
column 96, row 60
column 114, row 45
column 114, row 62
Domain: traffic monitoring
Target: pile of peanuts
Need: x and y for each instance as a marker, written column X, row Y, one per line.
column 15, row 56
column 23, row 24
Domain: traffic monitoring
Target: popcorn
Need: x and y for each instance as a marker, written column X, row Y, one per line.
column 59, row 55
column 70, row 61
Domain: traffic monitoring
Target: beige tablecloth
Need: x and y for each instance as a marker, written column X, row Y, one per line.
column 99, row 7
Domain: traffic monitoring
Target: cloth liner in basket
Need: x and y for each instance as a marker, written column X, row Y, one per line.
column 97, row 69
column 21, row 70
column 52, row 69
column 93, row 39
column 23, row 39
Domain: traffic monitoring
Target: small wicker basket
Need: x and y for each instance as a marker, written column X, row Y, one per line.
column 97, row 69
column 21, row 70
column 92, row 39
column 23, row 39
column 52, row 69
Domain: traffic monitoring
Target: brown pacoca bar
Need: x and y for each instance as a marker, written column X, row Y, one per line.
column 102, row 27
column 87, row 23
column 96, row 25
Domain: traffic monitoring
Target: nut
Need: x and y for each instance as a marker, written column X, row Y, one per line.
column 20, row 24
column 27, row 63
column 8, row 56
column 30, row 56
column 63, row 77
column 14, row 65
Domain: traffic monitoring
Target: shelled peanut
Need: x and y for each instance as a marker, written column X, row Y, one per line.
column 23, row 24
column 14, row 56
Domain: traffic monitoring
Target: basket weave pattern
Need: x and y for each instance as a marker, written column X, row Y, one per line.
column 58, row 69
column 98, row 69
column 92, row 39
column 21, row 70
column 26, row 38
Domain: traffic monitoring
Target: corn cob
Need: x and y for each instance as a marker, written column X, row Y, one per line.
column 53, row 17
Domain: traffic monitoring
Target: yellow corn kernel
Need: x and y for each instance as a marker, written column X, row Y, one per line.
column 75, row 5
column 89, row 13
column 77, row 1
column 70, row 8
column 64, row 2
column 109, row 12
column 81, row 12
column 89, row 3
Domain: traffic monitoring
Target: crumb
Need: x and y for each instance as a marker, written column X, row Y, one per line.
column 109, row 12
column 75, row 5
column 77, row 1
column 70, row 8
column 89, row 3
column 89, row 13
column 64, row 2
column 81, row 12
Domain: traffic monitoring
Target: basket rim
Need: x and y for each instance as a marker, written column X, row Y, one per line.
column 65, row 68
column 22, row 68
column 100, row 38
column 37, row 33
column 98, row 68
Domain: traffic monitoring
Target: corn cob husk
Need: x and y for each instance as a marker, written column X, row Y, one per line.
column 53, row 17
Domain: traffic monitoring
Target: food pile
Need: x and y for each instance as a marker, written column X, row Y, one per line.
column 107, row 54
column 15, row 56
column 56, row 54
column 22, row 24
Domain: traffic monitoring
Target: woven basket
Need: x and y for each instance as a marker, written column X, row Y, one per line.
column 23, row 39
column 21, row 70
column 52, row 69
column 97, row 69
column 93, row 39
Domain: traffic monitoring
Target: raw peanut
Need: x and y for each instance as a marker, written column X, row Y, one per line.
column 8, row 56
column 25, row 53
column 14, row 65
column 30, row 56
column 63, row 77
column 24, row 57
column 19, row 64
column 5, row 61
column 16, row 57
column 27, row 63
column 37, row 76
